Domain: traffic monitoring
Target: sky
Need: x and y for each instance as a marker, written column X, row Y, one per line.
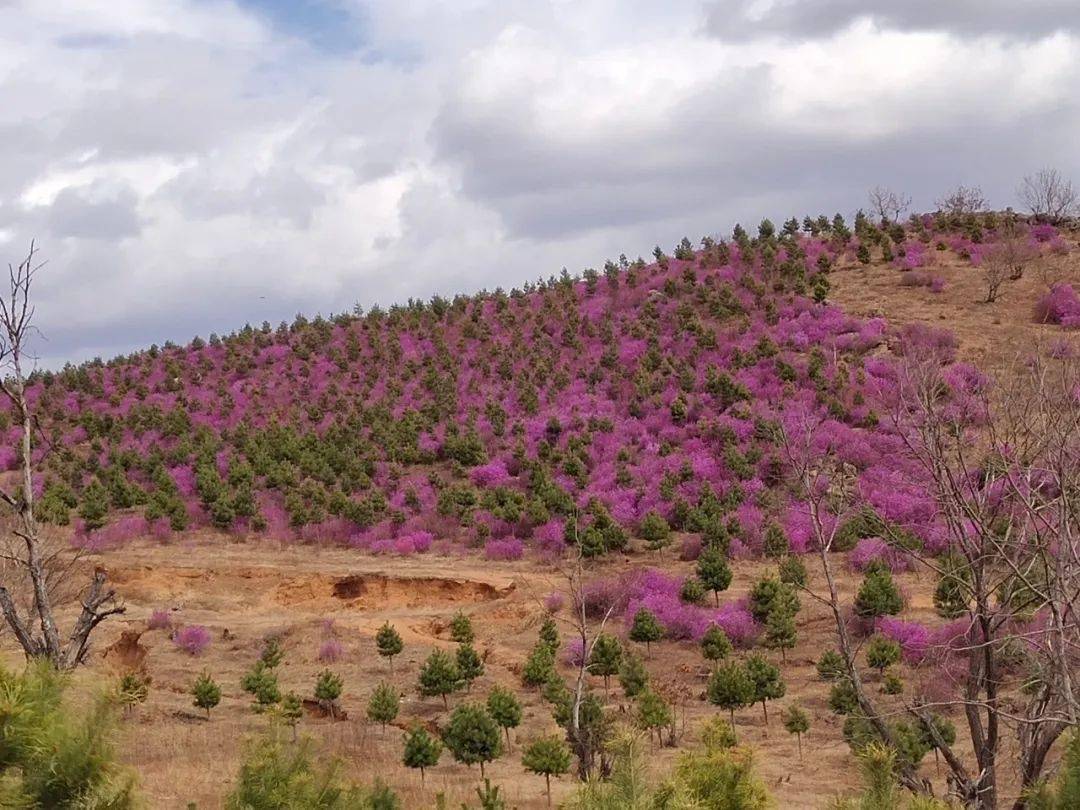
column 187, row 166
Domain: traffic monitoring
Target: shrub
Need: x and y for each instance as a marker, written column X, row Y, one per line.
column 1060, row 305
column 192, row 639
column 160, row 619
column 330, row 651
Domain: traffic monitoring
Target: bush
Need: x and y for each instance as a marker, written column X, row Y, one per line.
column 192, row 639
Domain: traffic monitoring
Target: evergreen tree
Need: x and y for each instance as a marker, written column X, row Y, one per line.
column 831, row 665
column 539, row 666
column 792, row 571
column 767, row 683
column 549, row 634
column 715, row 645
column 461, row 629
column 653, row 713
column 469, row 665
column 206, row 692
column 951, row 592
column 605, row 658
column 94, row 507
column 547, row 757
column 505, row 709
column 645, row 628
column 261, row 683
column 769, row 595
column 328, row 688
column 633, row 677
column 439, row 676
column 272, row 653
column 422, row 751
column 713, row 570
column 796, row 722
column 388, row 643
column 472, row 736
column 780, row 633
column 882, row 653
column 383, row 705
column 291, row 711
column 730, row 688
column 878, row 595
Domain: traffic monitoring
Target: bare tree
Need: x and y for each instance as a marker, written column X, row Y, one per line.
column 1049, row 195
column 28, row 563
column 888, row 204
column 1008, row 257
column 1002, row 465
column 962, row 201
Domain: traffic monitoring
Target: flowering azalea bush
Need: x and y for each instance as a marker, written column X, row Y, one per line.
column 192, row 638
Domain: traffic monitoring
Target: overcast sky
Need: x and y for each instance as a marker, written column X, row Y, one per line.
column 190, row 165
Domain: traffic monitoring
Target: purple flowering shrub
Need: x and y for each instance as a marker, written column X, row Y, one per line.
column 160, row 619
column 1060, row 305
column 192, row 638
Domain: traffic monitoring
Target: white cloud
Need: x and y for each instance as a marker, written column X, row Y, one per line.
column 187, row 166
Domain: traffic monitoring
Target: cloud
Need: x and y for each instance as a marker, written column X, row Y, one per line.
column 802, row 19
column 191, row 165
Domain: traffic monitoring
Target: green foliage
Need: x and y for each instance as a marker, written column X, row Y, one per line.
column 882, row 652
column 953, row 587
column 469, row 665
column 439, row 676
column 653, row 712
column 383, row 705
column 719, row 779
column 547, row 757
column 422, row 751
column 52, row 756
column 291, row 709
column 388, row 642
column 645, row 627
column 878, row 595
column 633, row 677
column 792, row 571
column 692, row 591
column 472, row 735
column 769, row 595
column 94, row 507
column 730, row 687
column 766, row 680
column 780, row 632
column 713, row 570
column 505, row 709
column 796, row 722
column 549, row 634
column 831, row 665
column 261, row 683
column 539, row 666
column 605, row 657
column 328, row 687
column 775, row 543
column 892, row 684
column 842, row 697
column 274, row 776
column 715, row 645
column 654, row 529
column 272, row 653
column 133, row 689
column 1064, row 792
column 206, row 692
column 461, row 629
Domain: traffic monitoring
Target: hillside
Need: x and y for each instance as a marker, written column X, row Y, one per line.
column 315, row 480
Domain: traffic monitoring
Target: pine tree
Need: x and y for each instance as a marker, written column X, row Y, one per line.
column 633, row 677
column 505, row 709
column 261, row 683
column 133, row 689
column 645, row 628
column 831, row 665
column 780, row 632
column 796, row 722
column 95, row 505
column 439, row 676
column 653, row 713
column 272, row 653
column 549, row 634
column 882, row 653
column 767, row 683
column 715, row 645
column 291, row 710
column 951, row 592
column 539, row 666
column 472, row 736
column 383, row 705
column 792, row 571
column 422, row 751
column 713, row 570
column 730, row 688
column 328, row 688
column 605, row 658
column 206, row 692
column 461, row 629
column 768, row 595
column 547, row 757
column 469, row 665
column 388, row 642
column 878, row 595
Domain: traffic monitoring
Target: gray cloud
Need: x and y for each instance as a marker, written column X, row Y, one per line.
column 86, row 214
column 800, row 19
